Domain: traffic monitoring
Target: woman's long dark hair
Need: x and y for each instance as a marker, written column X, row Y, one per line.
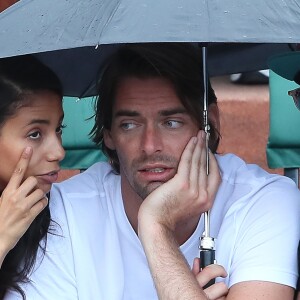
column 20, row 76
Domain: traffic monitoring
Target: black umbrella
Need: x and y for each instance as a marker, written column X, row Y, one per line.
column 79, row 79
column 81, row 33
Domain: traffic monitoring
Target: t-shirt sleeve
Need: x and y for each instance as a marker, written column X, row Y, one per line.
column 267, row 237
column 298, row 282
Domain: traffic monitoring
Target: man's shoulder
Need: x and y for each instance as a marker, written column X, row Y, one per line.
column 236, row 171
column 245, row 184
column 83, row 193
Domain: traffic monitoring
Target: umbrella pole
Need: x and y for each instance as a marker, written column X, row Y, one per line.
column 207, row 243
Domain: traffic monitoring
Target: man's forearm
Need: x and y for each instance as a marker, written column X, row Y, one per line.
column 172, row 276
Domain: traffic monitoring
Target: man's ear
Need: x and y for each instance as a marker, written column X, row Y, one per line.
column 213, row 115
column 108, row 141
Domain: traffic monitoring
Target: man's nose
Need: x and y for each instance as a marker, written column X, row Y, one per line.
column 152, row 140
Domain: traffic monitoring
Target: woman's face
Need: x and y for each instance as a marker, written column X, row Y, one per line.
column 38, row 124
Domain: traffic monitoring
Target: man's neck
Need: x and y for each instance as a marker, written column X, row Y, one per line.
column 132, row 202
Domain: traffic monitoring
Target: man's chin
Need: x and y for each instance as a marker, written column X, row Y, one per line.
column 150, row 188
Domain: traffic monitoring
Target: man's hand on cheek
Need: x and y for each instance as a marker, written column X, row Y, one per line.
column 189, row 193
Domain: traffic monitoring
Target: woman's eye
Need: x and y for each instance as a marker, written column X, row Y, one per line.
column 128, row 126
column 35, row 135
column 59, row 129
column 173, row 124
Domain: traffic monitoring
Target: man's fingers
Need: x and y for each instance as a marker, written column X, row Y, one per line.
column 203, row 166
column 20, row 169
column 196, row 160
column 210, row 272
column 216, row 291
column 186, row 159
column 214, row 178
column 196, row 266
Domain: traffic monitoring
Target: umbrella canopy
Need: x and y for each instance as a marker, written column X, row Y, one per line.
column 79, row 68
column 83, row 31
column 51, row 25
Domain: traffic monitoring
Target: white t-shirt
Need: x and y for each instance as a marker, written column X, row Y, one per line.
column 96, row 254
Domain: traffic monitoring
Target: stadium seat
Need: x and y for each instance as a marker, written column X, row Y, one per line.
column 81, row 152
column 283, row 147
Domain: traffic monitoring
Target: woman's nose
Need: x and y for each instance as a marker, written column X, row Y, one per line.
column 56, row 151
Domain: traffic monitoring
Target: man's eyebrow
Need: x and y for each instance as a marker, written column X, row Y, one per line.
column 164, row 113
column 126, row 113
column 173, row 111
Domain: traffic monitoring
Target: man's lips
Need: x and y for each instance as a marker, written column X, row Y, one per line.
column 156, row 173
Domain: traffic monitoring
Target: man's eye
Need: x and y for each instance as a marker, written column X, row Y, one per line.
column 173, row 124
column 128, row 126
column 35, row 135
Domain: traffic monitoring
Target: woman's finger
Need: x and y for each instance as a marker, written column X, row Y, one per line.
column 26, row 188
column 20, row 169
column 38, row 207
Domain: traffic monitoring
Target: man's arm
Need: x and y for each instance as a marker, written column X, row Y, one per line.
column 187, row 195
column 171, row 273
column 260, row 290
column 157, row 221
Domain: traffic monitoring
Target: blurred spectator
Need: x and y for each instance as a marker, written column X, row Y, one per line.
column 255, row 77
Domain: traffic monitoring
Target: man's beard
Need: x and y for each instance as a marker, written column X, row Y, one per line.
column 144, row 190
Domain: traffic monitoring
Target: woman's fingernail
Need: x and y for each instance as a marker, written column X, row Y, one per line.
column 27, row 150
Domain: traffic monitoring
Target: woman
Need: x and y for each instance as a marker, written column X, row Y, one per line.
column 31, row 117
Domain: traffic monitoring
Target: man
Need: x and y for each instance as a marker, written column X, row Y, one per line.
column 158, row 217
column 148, row 121
column 287, row 65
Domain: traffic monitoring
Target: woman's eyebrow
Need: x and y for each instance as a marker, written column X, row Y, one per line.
column 38, row 121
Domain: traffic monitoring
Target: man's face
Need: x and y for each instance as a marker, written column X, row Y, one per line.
column 150, row 128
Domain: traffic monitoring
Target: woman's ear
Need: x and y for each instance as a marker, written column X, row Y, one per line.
column 213, row 116
column 108, row 140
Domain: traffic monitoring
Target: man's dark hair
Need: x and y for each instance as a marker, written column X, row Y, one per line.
column 180, row 63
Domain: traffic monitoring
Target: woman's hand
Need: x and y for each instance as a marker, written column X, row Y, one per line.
column 20, row 202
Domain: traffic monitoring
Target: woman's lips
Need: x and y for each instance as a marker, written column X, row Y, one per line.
column 49, row 178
